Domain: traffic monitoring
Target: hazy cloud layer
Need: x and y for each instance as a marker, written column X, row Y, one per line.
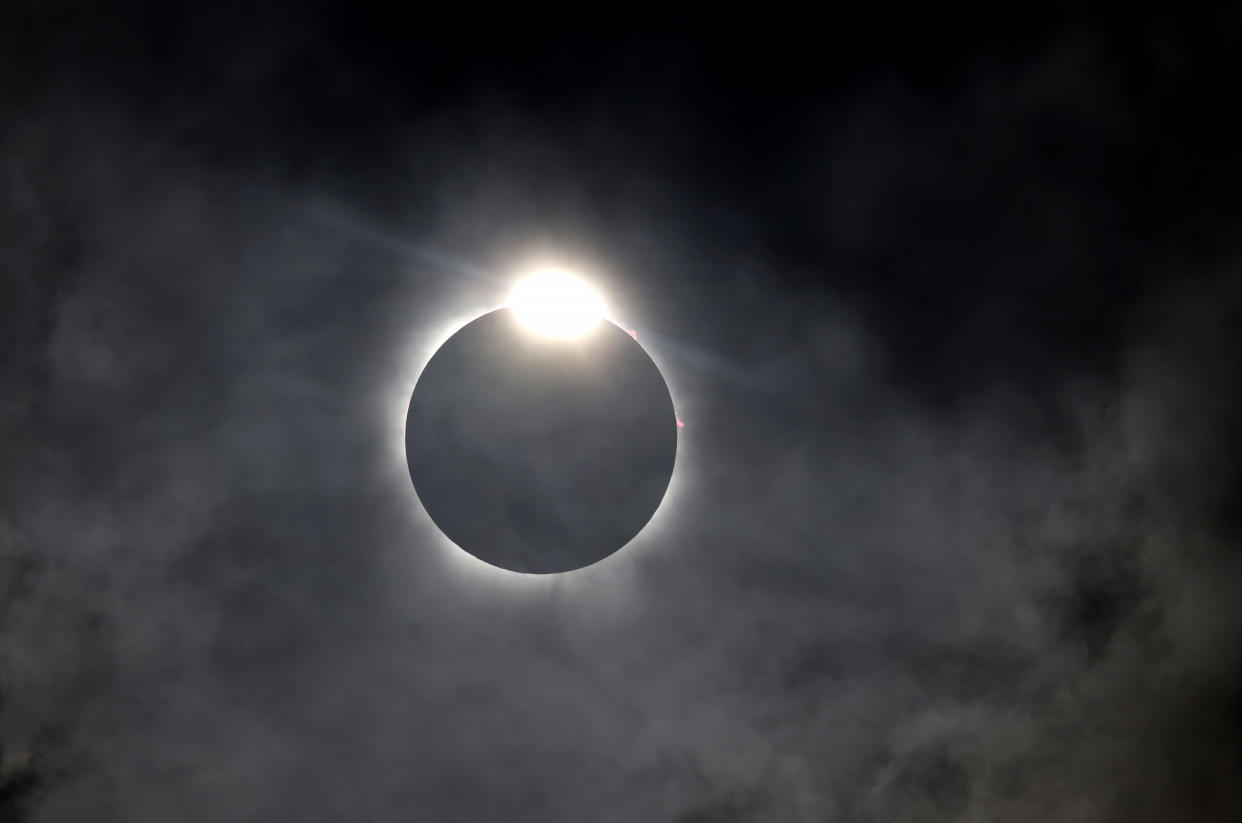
column 951, row 535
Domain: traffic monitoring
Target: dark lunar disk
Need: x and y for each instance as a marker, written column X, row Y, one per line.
column 540, row 454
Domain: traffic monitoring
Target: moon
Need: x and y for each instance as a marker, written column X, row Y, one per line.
column 540, row 453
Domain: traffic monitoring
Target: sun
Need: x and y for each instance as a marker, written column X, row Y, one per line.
column 556, row 304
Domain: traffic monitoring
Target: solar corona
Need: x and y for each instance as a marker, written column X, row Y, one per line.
column 541, row 437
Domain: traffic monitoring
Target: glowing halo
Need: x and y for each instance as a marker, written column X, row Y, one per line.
column 458, row 308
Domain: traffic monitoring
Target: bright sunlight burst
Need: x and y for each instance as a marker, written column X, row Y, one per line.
column 556, row 304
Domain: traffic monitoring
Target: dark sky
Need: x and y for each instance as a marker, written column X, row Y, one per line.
column 950, row 304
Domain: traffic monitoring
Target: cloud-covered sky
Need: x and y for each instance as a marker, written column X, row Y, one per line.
column 950, row 308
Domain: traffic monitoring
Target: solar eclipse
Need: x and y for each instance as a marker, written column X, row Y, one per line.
column 541, row 437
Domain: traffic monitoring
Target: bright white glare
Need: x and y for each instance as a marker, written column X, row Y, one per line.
column 556, row 304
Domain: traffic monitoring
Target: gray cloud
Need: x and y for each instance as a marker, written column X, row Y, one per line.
column 220, row 599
